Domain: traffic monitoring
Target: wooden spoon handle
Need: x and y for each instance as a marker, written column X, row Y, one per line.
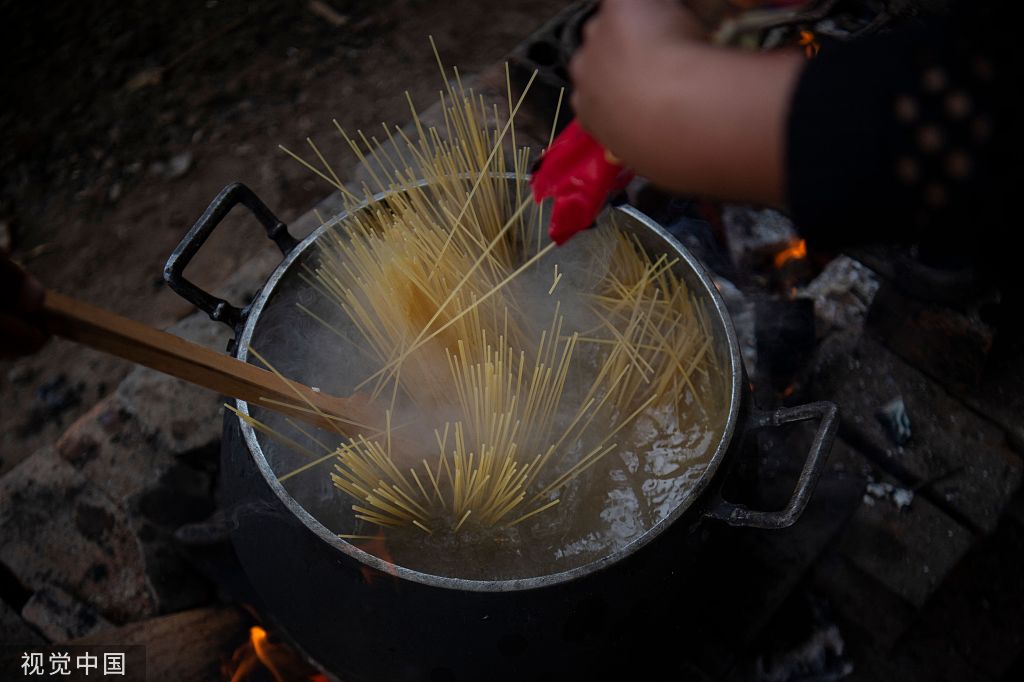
column 139, row 343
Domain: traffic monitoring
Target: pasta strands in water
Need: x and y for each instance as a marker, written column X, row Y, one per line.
column 522, row 368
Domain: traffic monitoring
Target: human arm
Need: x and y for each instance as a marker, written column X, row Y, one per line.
column 690, row 116
column 905, row 136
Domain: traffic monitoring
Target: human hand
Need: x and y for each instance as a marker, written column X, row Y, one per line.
column 691, row 117
column 628, row 56
column 20, row 297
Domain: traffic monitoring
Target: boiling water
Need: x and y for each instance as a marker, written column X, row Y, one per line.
column 652, row 473
column 627, row 493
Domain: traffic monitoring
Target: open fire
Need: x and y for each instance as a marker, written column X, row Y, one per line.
column 260, row 658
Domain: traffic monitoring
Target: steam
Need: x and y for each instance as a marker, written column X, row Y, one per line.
column 360, row 313
column 309, row 338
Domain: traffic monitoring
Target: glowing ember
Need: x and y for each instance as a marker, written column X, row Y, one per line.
column 796, row 250
column 809, row 43
column 259, row 656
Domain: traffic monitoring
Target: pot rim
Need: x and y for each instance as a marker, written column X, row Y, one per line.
column 735, row 368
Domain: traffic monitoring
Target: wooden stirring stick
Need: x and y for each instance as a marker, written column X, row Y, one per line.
column 139, row 343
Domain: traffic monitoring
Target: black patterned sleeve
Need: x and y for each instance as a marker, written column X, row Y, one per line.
column 906, row 137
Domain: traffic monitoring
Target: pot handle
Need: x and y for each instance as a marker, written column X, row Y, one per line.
column 218, row 309
column 739, row 515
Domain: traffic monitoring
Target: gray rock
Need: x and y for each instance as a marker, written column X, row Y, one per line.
column 58, row 529
column 754, row 235
column 178, row 165
column 910, row 550
column 61, row 617
column 956, row 457
column 842, row 294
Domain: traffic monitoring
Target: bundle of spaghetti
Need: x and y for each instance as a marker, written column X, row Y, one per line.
column 510, row 456
column 507, row 459
column 441, row 241
column 391, row 280
column 454, row 175
column 426, row 271
column 486, row 462
column 658, row 334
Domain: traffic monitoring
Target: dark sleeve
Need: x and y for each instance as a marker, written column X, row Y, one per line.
column 903, row 136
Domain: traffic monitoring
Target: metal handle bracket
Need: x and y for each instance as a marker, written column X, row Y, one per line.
column 217, row 308
column 740, row 515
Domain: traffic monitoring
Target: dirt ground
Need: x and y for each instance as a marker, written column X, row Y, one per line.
column 123, row 118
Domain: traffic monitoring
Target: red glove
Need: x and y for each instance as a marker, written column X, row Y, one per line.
column 581, row 175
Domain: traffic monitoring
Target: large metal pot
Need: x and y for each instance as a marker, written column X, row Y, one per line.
column 365, row 619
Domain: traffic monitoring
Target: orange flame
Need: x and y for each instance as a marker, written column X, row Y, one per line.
column 278, row 659
column 262, row 648
column 796, row 250
column 810, row 44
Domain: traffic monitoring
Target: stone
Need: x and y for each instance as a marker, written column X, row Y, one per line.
column 909, row 549
column 955, row 457
column 60, row 530
column 977, row 612
column 755, row 235
column 156, row 487
column 842, row 293
column 120, row 489
column 21, row 373
column 178, row 165
column 60, row 617
column 107, row 446
column 981, row 364
column 947, row 345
